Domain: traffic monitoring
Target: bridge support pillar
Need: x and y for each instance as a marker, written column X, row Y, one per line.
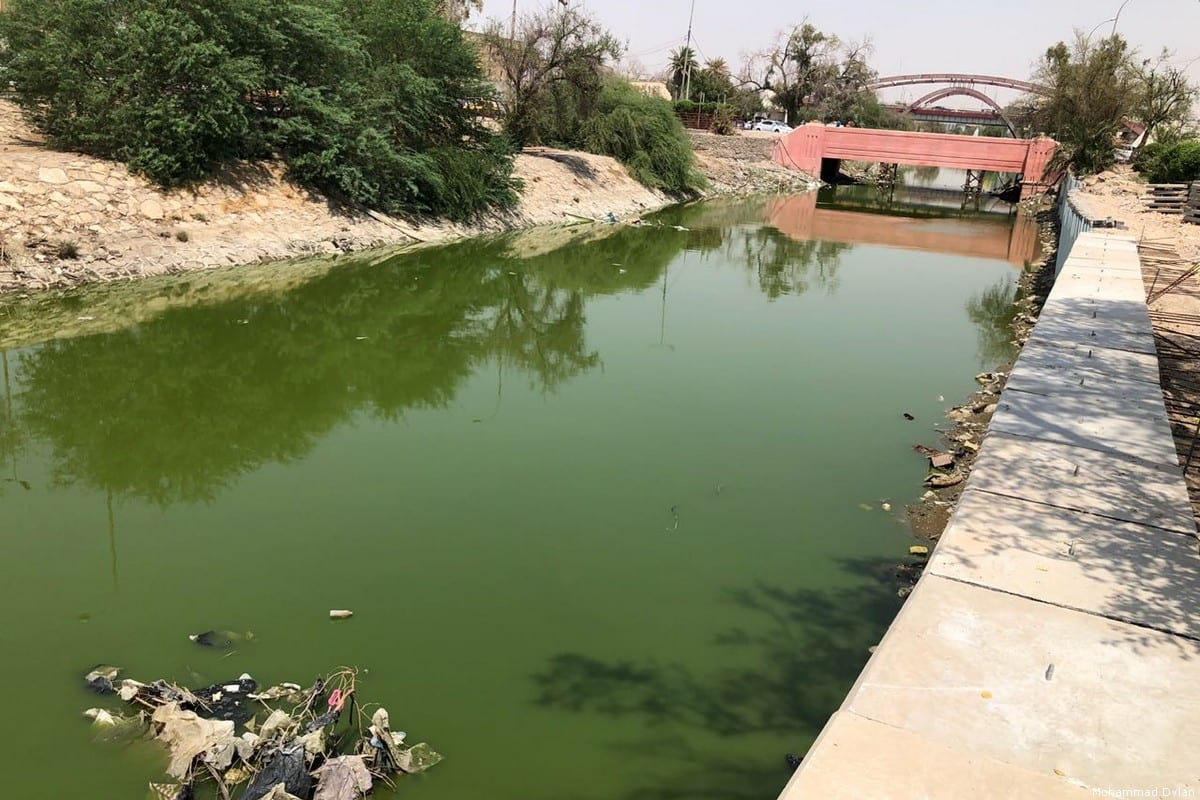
column 1035, row 177
column 830, row 169
column 802, row 149
column 972, row 189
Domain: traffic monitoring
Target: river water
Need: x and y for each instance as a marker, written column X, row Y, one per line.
column 609, row 514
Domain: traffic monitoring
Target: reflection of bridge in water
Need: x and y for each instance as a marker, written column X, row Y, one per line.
column 799, row 217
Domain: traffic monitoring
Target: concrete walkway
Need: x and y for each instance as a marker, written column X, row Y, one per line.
column 1052, row 647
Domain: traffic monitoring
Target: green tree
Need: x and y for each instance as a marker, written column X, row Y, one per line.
column 1174, row 160
column 552, row 73
column 457, row 11
column 1164, row 97
column 362, row 98
column 712, row 83
column 682, row 64
column 644, row 134
column 810, row 74
column 1093, row 88
column 557, row 93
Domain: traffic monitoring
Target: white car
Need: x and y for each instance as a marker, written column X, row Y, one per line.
column 772, row 126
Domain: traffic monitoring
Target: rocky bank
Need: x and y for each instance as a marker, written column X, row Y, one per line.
column 68, row 219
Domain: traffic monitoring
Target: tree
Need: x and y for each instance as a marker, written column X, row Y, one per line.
column 746, row 102
column 683, row 64
column 712, row 83
column 551, row 70
column 1164, row 96
column 810, row 74
column 362, row 99
column 644, row 134
column 457, row 11
column 1093, row 88
column 556, row 92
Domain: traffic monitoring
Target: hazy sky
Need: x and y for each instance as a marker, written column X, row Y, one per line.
column 1002, row 37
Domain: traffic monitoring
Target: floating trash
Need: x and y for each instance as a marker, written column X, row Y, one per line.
column 314, row 744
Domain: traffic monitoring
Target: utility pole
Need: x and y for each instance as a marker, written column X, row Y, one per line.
column 512, row 34
column 687, row 51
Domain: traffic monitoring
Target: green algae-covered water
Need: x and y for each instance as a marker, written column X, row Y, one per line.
column 608, row 515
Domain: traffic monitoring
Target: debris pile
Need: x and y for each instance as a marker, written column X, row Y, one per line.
column 311, row 744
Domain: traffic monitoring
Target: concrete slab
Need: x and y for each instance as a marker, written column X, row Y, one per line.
column 1124, row 571
column 1098, row 394
column 1048, row 381
column 1122, row 487
column 1099, row 259
column 899, row 765
column 1108, row 240
column 1090, row 332
column 1041, row 362
column 1083, row 417
column 1129, row 315
column 1129, row 289
column 971, row 668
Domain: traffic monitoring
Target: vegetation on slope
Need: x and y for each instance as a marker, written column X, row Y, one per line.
column 369, row 101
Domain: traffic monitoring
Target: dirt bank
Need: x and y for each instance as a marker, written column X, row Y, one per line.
column 68, row 219
column 741, row 164
column 1118, row 194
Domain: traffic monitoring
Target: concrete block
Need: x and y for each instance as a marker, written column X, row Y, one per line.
column 861, row 758
column 1089, row 332
column 1083, row 417
column 1122, row 487
column 1100, row 703
column 1123, row 289
column 1042, row 364
column 1125, row 571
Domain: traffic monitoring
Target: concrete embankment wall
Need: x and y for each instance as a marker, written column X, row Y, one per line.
column 1052, row 646
column 1074, row 218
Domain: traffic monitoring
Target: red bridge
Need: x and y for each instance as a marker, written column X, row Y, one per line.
column 815, row 148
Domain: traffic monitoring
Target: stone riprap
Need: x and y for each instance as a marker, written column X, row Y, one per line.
column 1051, row 648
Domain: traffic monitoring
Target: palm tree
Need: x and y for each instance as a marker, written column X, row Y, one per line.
column 683, row 63
column 718, row 68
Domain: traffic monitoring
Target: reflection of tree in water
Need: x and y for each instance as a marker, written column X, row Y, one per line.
column 790, row 266
column 804, row 646
column 782, row 265
column 993, row 311
column 176, row 408
column 11, row 434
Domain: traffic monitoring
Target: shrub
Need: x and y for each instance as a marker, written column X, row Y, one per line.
column 722, row 121
column 361, row 98
column 644, row 134
column 1173, row 162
